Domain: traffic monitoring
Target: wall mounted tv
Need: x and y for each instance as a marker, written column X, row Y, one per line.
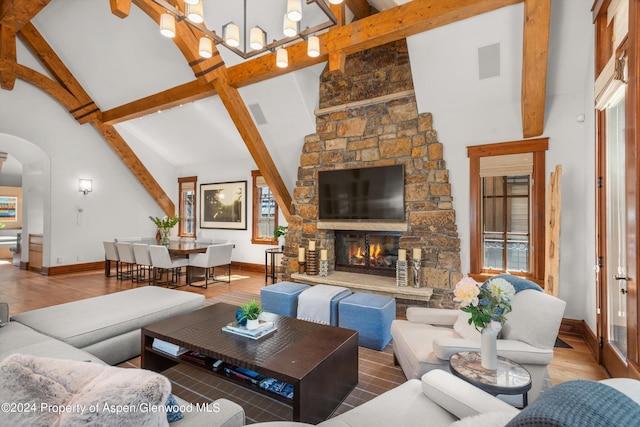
column 375, row 193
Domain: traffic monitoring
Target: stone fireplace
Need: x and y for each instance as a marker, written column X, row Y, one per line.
column 368, row 116
column 367, row 252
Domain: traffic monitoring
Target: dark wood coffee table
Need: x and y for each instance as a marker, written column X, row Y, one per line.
column 320, row 361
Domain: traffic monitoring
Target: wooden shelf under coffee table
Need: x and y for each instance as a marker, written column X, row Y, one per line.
column 320, row 361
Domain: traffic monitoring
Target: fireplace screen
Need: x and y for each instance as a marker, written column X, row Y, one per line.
column 367, row 252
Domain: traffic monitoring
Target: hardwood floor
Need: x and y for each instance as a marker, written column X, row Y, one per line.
column 25, row 290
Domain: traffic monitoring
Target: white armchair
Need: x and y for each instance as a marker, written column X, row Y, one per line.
column 428, row 338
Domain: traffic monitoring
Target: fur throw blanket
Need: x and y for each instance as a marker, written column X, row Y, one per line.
column 53, row 392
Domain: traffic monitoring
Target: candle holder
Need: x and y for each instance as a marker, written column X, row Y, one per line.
column 402, row 273
column 324, row 268
column 301, row 266
column 312, row 262
column 417, row 264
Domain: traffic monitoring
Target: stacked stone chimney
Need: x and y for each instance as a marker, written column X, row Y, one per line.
column 368, row 117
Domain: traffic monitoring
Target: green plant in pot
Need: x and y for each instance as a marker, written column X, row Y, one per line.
column 251, row 311
column 165, row 225
column 280, row 233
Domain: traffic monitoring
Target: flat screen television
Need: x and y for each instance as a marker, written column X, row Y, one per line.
column 375, row 193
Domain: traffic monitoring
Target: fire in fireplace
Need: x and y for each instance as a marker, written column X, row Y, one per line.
column 368, row 252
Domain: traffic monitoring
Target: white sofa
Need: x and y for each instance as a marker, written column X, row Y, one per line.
column 430, row 336
column 439, row 399
column 107, row 326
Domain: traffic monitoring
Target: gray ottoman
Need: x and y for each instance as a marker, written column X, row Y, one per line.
column 282, row 298
column 369, row 314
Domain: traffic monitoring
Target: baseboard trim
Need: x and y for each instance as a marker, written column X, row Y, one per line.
column 591, row 340
column 256, row 268
column 572, row 327
column 72, row 268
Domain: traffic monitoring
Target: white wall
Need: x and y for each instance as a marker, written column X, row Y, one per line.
column 468, row 111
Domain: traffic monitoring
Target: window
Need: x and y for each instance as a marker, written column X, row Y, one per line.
column 265, row 212
column 507, row 209
column 187, row 206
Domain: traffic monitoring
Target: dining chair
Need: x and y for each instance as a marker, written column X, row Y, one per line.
column 127, row 260
column 111, row 255
column 162, row 262
column 215, row 256
column 144, row 270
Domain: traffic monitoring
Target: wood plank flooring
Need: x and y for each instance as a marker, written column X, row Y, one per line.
column 25, row 290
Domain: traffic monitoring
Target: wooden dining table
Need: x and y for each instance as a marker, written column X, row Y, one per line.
column 176, row 248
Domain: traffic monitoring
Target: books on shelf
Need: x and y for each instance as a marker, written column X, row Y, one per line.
column 244, row 374
column 265, row 328
column 167, row 347
column 195, row 357
column 278, row 387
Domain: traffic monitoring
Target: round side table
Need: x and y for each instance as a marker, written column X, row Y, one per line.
column 509, row 378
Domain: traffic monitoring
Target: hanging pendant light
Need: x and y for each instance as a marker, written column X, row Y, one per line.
column 313, row 46
column 167, row 25
column 294, row 10
column 282, row 58
column 194, row 13
column 191, row 1
column 231, row 34
column 289, row 27
column 332, row 1
column 205, row 47
column 257, row 38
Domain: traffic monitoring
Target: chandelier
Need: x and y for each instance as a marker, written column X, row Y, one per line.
column 283, row 18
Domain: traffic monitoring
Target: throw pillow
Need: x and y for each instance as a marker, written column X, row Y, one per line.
column 464, row 329
column 72, row 393
column 489, row 419
column 173, row 410
column 579, row 403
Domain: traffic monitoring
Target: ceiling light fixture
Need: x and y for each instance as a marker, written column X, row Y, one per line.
column 313, row 46
column 289, row 27
column 85, row 186
column 205, row 47
column 167, row 25
column 318, row 18
column 282, row 58
column 257, row 38
column 294, row 10
column 195, row 13
column 231, row 34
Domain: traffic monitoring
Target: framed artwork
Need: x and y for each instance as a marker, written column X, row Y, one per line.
column 224, row 205
column 8, row 208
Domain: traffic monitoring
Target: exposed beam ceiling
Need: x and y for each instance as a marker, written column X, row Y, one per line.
column 213, row 77
column 537, row 17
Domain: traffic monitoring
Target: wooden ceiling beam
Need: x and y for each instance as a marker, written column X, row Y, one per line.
column 179, row 95
column 87, row 109
column 120, row 8
column 16, row 13
column 241, row 117
column 359, row 8
column 393, row 24
column 535, row 55
column 205, row 69
column 7, row 57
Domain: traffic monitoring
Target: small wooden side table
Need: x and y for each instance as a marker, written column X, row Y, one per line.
column 509, row 378
column 273, row 273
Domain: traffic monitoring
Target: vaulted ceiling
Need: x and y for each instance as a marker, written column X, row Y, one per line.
column 106, row 63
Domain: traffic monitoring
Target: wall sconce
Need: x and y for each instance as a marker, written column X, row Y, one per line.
column 85, row 186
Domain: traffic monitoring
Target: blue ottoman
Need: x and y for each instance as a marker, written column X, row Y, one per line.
column 369, row 314
column 282, row 298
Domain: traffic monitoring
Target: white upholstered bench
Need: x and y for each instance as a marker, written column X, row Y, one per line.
column 109, row 326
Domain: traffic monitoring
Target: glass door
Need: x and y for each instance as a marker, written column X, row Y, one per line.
column 616, row 227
